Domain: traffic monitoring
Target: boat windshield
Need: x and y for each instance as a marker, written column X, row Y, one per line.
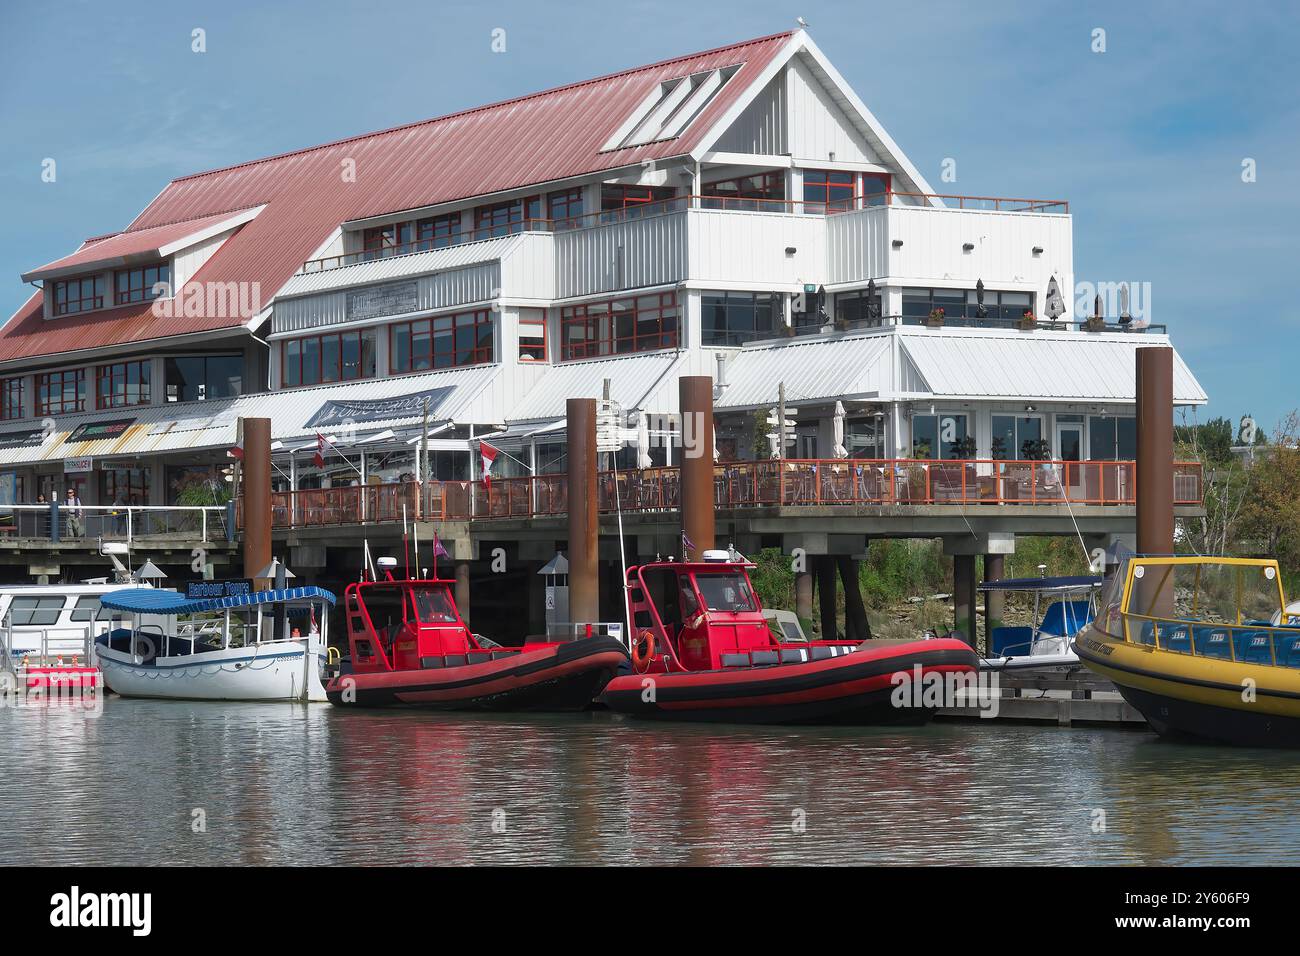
column 434, row 606
column 726, row 592
column 1213, row 592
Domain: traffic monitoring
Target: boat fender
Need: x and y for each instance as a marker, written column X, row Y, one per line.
column 641, row 658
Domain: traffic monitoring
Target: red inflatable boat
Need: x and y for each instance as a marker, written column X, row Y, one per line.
column 703, row 651
column 410, row 648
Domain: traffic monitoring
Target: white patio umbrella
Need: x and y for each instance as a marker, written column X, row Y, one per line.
column 642, row 442
column 837, row 425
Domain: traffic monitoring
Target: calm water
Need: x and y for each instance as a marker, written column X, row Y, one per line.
column 287, row 784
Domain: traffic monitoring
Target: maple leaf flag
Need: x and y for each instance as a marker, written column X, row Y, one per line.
column 318, row 459
column 489, row 455
column 237, row 451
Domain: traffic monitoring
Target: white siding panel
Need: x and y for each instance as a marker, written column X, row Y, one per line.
column 625, row 255
column 818, row 127
column 857, row 245
column 528, row 268
column 747, row 249
column 762, row 128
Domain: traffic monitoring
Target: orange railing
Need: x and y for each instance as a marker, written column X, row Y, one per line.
column 744, row 484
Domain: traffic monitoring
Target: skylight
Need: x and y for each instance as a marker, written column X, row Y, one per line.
column 670, row 108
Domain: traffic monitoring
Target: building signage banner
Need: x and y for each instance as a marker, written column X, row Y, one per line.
column 94, row 431
column 342, row 412
column 27, row 436
column 78, row 466
column 391, row 298
column 203, row 590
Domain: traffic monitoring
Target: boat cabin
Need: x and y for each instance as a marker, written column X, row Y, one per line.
column 1061, row 607
column 1223, row 608
column 705, row 615
column 396, row 625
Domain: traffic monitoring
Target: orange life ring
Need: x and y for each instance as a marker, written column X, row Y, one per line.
column 641, row 659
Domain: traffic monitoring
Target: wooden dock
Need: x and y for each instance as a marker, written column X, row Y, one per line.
column 1079, row 697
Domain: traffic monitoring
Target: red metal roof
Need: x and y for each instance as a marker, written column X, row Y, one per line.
column 123, row 246
column 539, row 138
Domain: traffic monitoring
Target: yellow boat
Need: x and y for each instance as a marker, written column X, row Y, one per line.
column 1203, row 647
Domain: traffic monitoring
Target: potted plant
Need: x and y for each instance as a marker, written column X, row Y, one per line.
column 1028, row 321
column 935, row 321
column 964, row 447
column 1095, row 323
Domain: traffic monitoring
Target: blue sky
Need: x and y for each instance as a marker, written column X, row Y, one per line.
column 1145, row 140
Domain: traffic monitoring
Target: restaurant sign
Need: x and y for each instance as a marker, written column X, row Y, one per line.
column 78, row 466
column 95, row 431
column 342, row 412
column 391, row 298
column 22, row 437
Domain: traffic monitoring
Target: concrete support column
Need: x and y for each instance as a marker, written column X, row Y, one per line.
column 462, row 590
column 963, row 596
column 695, row 393
column 803, row 594
column 826, row 596
column 995, row 602
column 584, row 582
column 856, row 623
column 256, row 472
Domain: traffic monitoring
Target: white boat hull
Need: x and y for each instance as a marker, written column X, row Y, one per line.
column 1043, row 663
column 268, row 671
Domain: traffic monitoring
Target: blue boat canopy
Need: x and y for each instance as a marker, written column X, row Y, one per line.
column 158, row 601
column 1043, row 584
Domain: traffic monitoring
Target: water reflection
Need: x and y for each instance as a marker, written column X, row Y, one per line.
column 174, row 782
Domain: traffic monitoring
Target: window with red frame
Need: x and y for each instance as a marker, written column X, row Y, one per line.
column 78, row 295
column 337, row 357
column 383, row 241
column 828, row 191
column 59, row 392
column 122, row 384
column 506, row 218
column 733, row 193
column 876, row 188
column 438, row 232
column 619, row 326
column 532, row 335
column 138, row 285
column 11, row 398
column 564, row 209
column 443, row 341
column 618, row 196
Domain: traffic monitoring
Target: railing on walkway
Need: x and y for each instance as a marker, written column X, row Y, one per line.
column 58, row 522
column 784, row 483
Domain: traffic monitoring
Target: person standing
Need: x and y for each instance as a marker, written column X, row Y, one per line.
column 76, row 525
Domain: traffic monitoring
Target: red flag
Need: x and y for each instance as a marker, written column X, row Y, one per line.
column 318, row 459
column 489, row 455
column 237, row 451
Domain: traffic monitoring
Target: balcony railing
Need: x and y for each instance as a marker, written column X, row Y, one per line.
column 958, row 322
column 679, row 203
column 57, row 522
column 785, row 483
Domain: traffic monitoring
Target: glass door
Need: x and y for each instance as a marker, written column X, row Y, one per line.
column 1069, row 448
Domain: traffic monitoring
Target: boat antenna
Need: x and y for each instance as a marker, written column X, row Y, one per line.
column 406, row 548
column 415, row 533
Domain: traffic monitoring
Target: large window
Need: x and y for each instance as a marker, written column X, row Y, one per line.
column 141, row 285
column 875, row 189
column 11, row 398
column 1112, row 439
column 196, row 378
column 382, row 241
column 827, row 191
column 122, row 383
column 532, row 335
column 865, row 437
column 506, row 218
column 78, row 295
column 564, row 208
column 734, row 318
column 640, row 324
column 942, row 436
column 338, row 357
column 124, row 486
column 747, row 192
column 437, row 232
column 443, row 341
column 36, row 610
column 961, row 306
column 857, row 308
column 59, row 392
column 1019, row 438
column 629, row 202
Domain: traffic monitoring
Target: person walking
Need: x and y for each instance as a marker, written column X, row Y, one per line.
column 76, row 524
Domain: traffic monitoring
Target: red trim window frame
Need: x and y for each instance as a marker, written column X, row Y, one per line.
column 122, row 384
column 768, row 188
column 69, row 385
column 328, row 358
column 441, row 341
column 437, row 232
column 621, row 196
column 137, row 285
column 72, row 296
column 642, row 323
column 877, row 197
column 829, row 190
column 11, row 398
column 506, row 218
column 381, row 242
column 534, row 348
column 564, row 208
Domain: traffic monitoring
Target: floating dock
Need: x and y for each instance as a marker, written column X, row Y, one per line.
column 1064, row 700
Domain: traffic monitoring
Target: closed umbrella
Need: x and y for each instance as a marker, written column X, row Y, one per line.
column 1124, row 317
column 1096, row 308
column 872, row 311
column 980, row 311
column 837, row 425
column 1055, row 303
column 642, row 441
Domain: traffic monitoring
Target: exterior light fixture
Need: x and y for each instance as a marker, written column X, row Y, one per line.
column 1030, row 408
column 790, row 250
column 968, row 247
column 1038, row 250
column 898, row 243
